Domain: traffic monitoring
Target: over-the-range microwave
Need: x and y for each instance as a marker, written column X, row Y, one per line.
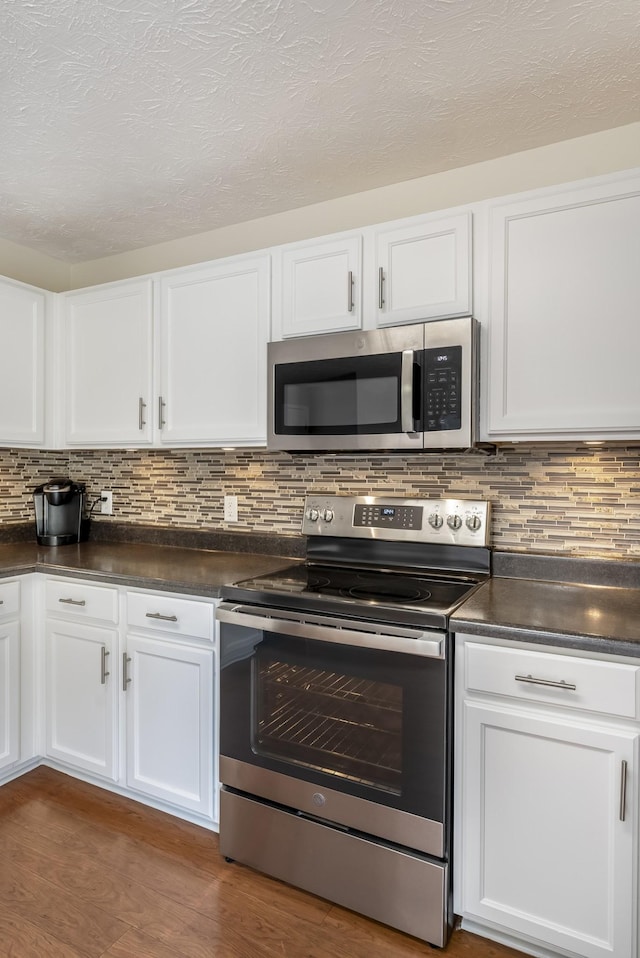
column 403, row 388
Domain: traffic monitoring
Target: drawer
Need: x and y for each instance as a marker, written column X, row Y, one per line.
column 606, row 687
column 80, row 600
column 164, row 613
column 9, row 599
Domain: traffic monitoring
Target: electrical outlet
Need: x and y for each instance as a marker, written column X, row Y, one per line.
column 106, row 506
column 230, row 508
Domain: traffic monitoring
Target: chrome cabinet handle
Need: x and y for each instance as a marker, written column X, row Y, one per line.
column 350, row 291
column 73, row 601
column 159, row 615
column 103, row 666
column 623, row 790
column 161, row 407
column 547, row 682
column 380, row 288
column 141, row 408
column 1, row 601
column 406, row 392
column 125, row 679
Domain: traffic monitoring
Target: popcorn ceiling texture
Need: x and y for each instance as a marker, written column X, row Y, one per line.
column 572, row 501
column 129, row 124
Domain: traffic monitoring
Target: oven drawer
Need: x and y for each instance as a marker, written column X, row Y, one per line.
column 165, row 613
column 82, row 601
column 609, row 688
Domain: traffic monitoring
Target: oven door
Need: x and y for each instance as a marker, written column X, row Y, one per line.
column 348, row 391
column 345, row 721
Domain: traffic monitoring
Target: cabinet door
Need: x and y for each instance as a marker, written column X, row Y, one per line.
column 107, row 341
column 81, row 690
column 423, row 270
column 22, row 337
column 321, row 287
column 545, row 853
column 170, row 722
column 9, row 693
column 564, row 330
column 214, row 330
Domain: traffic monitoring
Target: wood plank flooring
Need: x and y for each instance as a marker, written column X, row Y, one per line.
column 88, row 874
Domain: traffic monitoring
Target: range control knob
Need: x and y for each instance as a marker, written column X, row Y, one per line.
column 474, row 523
column 454, row 521
column 328, row 515
column 435, row 520
column 313, row 515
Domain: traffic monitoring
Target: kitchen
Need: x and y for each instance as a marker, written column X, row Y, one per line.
column 567, row 499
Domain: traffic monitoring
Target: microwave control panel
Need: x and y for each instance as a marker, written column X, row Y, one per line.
column 442, row 393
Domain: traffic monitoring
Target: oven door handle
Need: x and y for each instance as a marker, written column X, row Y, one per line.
column 366, row 635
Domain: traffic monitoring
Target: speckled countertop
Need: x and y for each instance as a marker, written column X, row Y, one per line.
column 168, row 568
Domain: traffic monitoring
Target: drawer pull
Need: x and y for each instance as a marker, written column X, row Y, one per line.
column 159, row 615
column 103, row 666
column 125, row 678
column 549, row 683
column 623, row 790
column 73, row 601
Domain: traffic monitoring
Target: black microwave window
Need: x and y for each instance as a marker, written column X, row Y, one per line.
column 350, row 396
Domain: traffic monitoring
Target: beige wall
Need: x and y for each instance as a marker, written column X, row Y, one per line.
column 598, row 153
column 29, row 266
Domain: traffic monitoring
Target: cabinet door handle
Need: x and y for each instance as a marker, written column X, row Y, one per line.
column 623, row 790
column 161, row 407
column 103, row 666
column 549, row 683
column 159, row 615
column 125, row 678
column 350, row 291
column 1, row 601
column 141, row 408
column 380, row 288
column 73, row 601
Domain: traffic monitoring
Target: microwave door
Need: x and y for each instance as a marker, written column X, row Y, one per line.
column 450, row 383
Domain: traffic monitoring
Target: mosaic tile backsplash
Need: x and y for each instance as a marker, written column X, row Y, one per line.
column 553, row 499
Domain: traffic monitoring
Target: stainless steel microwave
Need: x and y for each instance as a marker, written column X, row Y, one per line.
column 403, row 388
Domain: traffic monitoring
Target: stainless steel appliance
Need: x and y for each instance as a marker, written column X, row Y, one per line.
column 403, row 388
column 336, row 706
column 59, row 507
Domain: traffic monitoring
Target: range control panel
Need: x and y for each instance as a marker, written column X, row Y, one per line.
column 453, row 521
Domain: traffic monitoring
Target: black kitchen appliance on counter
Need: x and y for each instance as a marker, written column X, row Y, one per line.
column 59, row 511
column 336, row 706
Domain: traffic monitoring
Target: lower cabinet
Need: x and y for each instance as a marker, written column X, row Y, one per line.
column 9, row 693
column 130, row 696
column 547, row 816
column 81, row 695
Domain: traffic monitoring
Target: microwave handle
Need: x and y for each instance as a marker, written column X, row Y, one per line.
column 406, row 391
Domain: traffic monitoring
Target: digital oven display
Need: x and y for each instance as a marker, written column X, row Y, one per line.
column 388, row 517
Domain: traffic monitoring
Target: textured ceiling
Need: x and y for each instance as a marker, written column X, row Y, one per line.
column 131, row 122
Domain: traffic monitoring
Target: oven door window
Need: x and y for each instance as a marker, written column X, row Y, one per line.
column 334, row 397
column 366, row 722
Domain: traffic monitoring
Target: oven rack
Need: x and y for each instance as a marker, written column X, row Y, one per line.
column 335, row 685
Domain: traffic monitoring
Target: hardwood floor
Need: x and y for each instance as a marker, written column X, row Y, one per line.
column 88, row 874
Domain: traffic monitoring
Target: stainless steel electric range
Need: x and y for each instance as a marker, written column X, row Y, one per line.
column 336, row 706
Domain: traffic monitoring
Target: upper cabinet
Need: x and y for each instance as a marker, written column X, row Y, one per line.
column 402, row 272
column 564, row 335
column 423, row 269
column 22, row 364
column 214, row 325
column 107, row 338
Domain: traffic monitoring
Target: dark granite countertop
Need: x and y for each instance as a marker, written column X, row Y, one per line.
column 594, row 618
column 167, row 568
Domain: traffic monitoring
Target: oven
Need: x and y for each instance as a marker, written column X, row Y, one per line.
column 336, row 708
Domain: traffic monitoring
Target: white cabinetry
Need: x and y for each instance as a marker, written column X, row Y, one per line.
column 168, row 675
column 564, row 300
column 22, row 364
column 81, row 676
column 400, row 272
column 547, row 815
column 107, row 337
column 9, row 673
column 214, row 326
